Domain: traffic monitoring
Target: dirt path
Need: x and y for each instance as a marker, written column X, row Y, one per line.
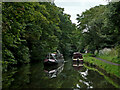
column 107, row 61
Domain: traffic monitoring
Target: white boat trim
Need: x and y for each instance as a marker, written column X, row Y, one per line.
column 77, row 59
column 77, row 65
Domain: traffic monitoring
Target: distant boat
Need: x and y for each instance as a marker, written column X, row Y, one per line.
column 77, row 59
column 54, row 58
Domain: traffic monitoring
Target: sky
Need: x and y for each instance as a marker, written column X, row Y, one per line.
column 73, row 7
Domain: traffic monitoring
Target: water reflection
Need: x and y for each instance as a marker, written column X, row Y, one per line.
column 17, row 78
column 67, row 75
column 86, row 83
column 78, row 66
column 53, row 71
column 83, row 73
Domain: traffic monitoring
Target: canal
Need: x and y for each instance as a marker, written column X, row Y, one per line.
column 36, row 75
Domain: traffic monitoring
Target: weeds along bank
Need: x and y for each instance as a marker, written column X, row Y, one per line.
column 112, row 69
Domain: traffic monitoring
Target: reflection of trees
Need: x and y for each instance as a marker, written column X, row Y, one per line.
column 22, row 77
column 39, row 79
column 7, row 78
column 96, row 78
column 33, row 76
column 99, row 79
column 17, row 78
column 70, row 76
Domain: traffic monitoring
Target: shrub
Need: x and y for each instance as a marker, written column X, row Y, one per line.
column 118, row 51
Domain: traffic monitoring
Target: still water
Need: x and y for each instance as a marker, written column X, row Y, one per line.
column 62, row 76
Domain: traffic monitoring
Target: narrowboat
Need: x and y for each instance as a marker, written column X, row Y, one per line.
column 54, row 58
column 77, row 59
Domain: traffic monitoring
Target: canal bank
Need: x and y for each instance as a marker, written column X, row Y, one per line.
column 108, row 67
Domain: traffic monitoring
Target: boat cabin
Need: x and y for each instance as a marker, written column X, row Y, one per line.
column 77, row 55
column 53, row 58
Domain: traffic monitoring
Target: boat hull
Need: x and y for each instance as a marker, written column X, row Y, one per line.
column 80, row 61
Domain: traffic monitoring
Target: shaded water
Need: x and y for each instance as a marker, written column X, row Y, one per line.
column 64, row 76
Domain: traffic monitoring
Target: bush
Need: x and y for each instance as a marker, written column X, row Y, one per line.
column 118, row 51
column 105, row 51
column 88, row 55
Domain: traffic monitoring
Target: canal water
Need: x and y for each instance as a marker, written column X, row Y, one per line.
column 37, row 75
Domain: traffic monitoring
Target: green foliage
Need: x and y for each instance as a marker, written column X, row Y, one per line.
column 118, row 51
column 32, row 30
column 88, row 55
column 99, row 27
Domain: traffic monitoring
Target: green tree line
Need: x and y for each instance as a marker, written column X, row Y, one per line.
column 32, row 30
column 99, row 28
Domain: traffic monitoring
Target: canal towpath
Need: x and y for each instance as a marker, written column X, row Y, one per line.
column 107, row 61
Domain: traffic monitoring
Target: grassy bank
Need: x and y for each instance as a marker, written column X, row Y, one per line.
column 112, row 55
column 113, row 59
column 112, row 69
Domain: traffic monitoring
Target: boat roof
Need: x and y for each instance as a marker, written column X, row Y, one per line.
column 53, row 54
column 76, row 53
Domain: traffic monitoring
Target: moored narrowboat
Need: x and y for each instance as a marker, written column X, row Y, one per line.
column 77, row 58
column 54, row 58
